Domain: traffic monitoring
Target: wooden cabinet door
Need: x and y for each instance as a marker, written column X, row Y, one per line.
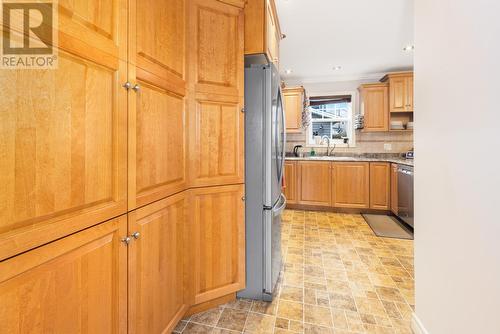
column 216, row 120
column 157, row 111
column 351, row 185
column 217, row 241
column 157, row 265
column 272, row 39
column 291, row 182
column 380, row 185
column 293, row 102
column 77, row 284
column 374, row 104
column 394, row 188
column 63, row 137
column 398, row 93
column 315, row 183
column 409, row 93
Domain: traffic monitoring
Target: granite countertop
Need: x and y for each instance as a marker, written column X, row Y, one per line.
column 368, row 158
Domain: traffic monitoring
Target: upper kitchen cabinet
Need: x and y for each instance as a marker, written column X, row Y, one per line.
column 215, row 33
column 262, row 29
column 293, row 99
column 157, row 100
column 375, row 106
column 63, row 139
column 216, row 68
column 400, row 91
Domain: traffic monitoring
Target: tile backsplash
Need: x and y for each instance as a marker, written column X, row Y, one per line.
column 366, row 142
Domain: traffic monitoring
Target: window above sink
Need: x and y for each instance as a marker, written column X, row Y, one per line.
column 331, row 116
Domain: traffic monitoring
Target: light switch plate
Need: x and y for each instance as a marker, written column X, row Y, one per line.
column 387, row 146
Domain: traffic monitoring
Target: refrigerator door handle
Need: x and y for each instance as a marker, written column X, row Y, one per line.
column 284, row 136
column 281, row 207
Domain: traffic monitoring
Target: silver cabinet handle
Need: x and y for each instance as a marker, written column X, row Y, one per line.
column 126, row 240
column 136, row 235
column 136, row 88
column 127, row 85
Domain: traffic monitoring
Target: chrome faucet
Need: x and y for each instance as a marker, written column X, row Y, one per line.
column 328, row 152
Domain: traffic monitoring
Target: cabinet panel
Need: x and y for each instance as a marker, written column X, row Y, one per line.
column 398, row 90
column 157, row 266
column 262, row 29
column 215, row 37
column 63, row 141
column 272, row 32
column 380, row 185
column 315, row 183
column 216, row 143
column 218, row 241
column 374, row 104
column 160, row 145
column 291, row 182
column 394, row 188
column 158, row 35
column 94, row 29
column 409, row 93
column 157, row 111
column 351, row 185
column 293, row 103
column 77, row 284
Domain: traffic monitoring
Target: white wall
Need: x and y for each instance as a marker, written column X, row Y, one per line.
column 457, row 185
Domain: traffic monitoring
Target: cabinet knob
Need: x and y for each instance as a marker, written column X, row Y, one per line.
column 136, row 235
column 126, row 240
column 136, row 88
column 243, row 198
column 127, row 85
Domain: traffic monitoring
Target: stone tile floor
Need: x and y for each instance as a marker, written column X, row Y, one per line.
column 338, row 278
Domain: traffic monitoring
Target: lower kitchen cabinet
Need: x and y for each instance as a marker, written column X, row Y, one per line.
column 351, row 185
column 315, row 183
column 158, row 265
column 290, row 184
column 394, row 188
column 380, row 185
column 77, row 284
column 217, row 241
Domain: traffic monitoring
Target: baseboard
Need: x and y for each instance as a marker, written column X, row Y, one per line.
column 211, row 304
column 416, row 325
column 335, row 209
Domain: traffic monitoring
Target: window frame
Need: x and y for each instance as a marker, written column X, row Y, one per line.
column 351, row 132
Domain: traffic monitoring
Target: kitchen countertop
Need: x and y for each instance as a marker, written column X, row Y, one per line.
column 397, row 160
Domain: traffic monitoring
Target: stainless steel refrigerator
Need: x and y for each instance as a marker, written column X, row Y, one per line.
column 264, row 166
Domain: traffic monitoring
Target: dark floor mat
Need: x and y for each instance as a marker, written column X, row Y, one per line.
column 388, row 227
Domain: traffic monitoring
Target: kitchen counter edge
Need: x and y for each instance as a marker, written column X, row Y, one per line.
column 407, row 162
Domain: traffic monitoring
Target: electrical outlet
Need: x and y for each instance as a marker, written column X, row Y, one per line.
column 387, row 146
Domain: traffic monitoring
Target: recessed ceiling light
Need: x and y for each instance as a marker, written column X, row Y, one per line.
column 337, row 68
column 288, row 71
column 409, row 48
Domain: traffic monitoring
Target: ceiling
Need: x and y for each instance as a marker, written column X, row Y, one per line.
column 364, row 37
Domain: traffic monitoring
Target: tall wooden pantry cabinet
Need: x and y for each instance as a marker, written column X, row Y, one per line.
column 122, row 205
